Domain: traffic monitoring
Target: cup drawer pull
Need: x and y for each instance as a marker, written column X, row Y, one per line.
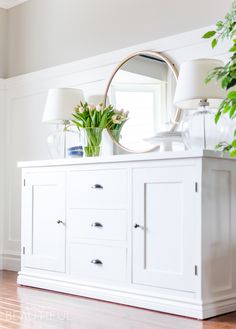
column 97, row 186
column 96, row 224
column 96, row 261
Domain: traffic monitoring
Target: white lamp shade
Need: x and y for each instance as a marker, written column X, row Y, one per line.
column 61, row 103
column 191, row 86
column 97, row 99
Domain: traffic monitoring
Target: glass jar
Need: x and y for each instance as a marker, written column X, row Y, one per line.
column 93, row 141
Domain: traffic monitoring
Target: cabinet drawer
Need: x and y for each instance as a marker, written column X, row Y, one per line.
column 97, row 224
column 97, row 189
column 96, row 261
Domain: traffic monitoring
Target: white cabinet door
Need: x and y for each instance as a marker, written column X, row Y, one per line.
column 164, row 211
column 43, row 220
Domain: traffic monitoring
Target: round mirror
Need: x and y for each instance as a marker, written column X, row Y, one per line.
column 144, row 85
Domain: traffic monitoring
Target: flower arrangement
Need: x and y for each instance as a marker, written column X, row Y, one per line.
column 116, row 121
column 94, row 119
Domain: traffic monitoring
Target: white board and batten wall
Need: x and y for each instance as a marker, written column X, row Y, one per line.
column 24, row 98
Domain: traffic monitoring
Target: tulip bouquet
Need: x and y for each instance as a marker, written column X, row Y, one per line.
column 94, row 119
column 116, row 121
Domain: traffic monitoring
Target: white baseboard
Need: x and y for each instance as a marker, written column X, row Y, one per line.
column 10, row 262
column 190, row 309
column 1, row 262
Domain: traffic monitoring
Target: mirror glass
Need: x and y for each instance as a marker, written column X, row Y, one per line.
column 144, row 84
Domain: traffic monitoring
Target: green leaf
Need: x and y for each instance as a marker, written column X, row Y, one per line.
column 214, row 43
column 219, row 25
column 233, row 49
column 234, row 143
column 103, row 121
column 94, row 118
column 226, row 108
column 209, row 34
column 225, row 81
column 232, row 95
column 232, row 113
column 217, row 116
column 233, row 153
column 88, row 122
column 77, row 124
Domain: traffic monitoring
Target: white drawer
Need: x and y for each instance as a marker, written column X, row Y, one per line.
column 95, row 261
column 97, row 224
column 98, row 189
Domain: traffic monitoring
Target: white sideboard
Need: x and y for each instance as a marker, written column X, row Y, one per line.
column 156, row 230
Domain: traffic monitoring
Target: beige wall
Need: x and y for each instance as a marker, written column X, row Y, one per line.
column 44, row 33
column 3, row 42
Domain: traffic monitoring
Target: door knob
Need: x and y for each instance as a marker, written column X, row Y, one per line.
column 136, row 225
column 60, row 222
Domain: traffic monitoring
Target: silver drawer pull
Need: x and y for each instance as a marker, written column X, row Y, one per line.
column 96, row 224
column 97, row 186
column 96, row 261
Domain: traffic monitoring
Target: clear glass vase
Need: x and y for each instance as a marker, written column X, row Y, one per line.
column 64, row 139
column 200, row 131
column 116, row 134
column 93, row 141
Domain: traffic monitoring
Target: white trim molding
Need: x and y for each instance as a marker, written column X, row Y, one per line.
column 190, row 308
column 10, row 261
column 7, row 4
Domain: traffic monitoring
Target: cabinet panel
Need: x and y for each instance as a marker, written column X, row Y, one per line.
column 164, row 227
column 101, row 189
column 164, row 243
column 43, row 206
column 219, row 232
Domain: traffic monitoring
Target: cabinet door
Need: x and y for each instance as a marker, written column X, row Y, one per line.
column 43, row 205
column 164, row 243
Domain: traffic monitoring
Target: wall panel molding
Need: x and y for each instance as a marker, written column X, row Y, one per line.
column 179, row 48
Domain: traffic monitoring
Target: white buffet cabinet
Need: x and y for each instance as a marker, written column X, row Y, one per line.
column 156, row 231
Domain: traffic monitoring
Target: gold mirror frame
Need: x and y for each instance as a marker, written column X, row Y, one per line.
column 173, row 69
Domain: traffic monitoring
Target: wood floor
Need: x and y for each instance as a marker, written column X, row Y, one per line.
column 28, row 308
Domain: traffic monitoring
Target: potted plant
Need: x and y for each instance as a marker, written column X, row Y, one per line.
column 226, row 74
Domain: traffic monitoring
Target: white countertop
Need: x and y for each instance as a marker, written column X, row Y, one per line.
column 125, row 158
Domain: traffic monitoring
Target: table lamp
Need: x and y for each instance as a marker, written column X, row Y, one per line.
column 58, row 110
column 199, row 128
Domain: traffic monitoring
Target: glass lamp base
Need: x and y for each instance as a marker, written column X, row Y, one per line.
column 65, row 143
column 200, row 131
